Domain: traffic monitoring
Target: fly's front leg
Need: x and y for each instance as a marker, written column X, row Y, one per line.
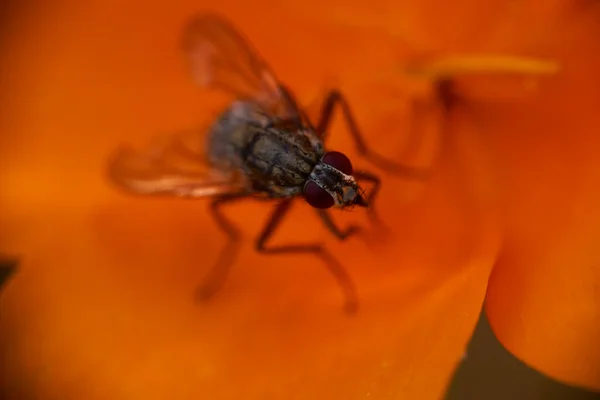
column 376, row 182
column 371, row 210
column 336, row 98
column 373, row 179
column 352, row 230
column 334, row 229
column 218, row 274
column 340, row 274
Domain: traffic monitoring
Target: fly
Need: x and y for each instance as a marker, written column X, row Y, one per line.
column 261, row 146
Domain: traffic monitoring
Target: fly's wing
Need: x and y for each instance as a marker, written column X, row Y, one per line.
column 173, row 165
column 220, row 57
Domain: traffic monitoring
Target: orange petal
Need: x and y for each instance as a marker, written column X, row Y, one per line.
column 102, row 307
column 543, row 299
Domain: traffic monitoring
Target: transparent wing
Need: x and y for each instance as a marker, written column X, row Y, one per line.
column 219, row 56
column 172, row 165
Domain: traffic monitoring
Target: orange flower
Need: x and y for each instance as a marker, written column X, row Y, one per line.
column 102, row 305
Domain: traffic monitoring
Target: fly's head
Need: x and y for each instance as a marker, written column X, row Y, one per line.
column 331, row 183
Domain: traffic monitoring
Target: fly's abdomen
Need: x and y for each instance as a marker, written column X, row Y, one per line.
column 230, row 134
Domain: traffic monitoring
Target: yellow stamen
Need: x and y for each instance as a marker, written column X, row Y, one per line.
column 450, row 67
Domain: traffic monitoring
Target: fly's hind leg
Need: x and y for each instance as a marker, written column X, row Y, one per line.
column 336, row 98
column 215, row 278
column 338, row 271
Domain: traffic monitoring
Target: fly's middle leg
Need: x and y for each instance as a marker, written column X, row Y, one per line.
column 218, row 274
column 376, row 182
column 336, row 98
column 316, row 249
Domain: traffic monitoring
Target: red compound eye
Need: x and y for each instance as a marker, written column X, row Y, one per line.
column 316, row 196
column 338, row 161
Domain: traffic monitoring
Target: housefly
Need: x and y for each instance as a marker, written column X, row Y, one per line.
column 262, row 146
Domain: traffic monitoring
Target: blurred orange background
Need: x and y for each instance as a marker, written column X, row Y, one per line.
column 102, row 307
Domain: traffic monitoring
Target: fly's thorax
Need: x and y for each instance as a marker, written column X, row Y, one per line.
column 274, row 156
column 342, row 187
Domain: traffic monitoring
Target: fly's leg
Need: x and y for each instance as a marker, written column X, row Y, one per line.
column 371, row 211
column 376, row 182
column 334, row 229
column 218, row 274
column 338, row 271
column 372, row 178
column 336, row 98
